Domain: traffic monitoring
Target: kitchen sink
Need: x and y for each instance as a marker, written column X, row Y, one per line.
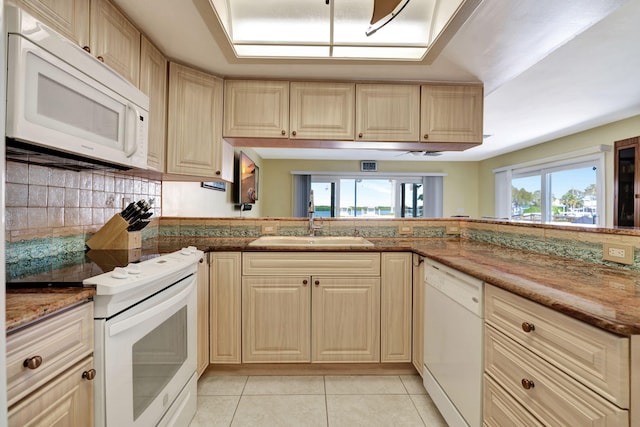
column 311, row 241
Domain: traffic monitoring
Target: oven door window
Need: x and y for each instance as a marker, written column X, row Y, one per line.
column 156, row 359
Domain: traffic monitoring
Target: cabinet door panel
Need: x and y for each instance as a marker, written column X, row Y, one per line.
column 550, row 395
column 153, row 82
column 194, row 145
column 322, row 110
column 451, row 114
column 388, row 112
column 65, row 401
column 226, row 311
column 346, row 319
column 255, row 108
column 115, row 39
column 275, row 319
column 395, row 307
column 68, row 17
column 593, row 356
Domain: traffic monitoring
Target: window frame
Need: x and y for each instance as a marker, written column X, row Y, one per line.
column 545, row 167
column 400, row 178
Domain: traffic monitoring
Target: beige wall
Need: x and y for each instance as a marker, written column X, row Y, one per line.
column 460, row 185
column 606, row 135
column 189, row 199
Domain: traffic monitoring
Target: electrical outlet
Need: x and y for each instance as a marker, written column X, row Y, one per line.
column 453, row 229
column 622, row 254
column 405, row 229
column 269, row 228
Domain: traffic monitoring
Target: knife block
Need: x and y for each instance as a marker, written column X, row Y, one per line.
column 114, row 235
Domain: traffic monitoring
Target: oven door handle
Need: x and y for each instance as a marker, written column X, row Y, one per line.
column 140, row 318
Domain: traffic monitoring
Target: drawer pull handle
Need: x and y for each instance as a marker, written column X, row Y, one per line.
column 33, row 362
column 528, row 327
column 89, row 375
column 527, row 384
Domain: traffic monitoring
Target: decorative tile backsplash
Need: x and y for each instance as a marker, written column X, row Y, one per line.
column 43, row 203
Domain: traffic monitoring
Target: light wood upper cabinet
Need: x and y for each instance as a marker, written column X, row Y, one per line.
column 225, row 307
column 322, row 110
column 387, row 112
column 275, row 319
column 194, row 144
column 153, row 82
column 255, row 108
column 69, row 17
column 346, row 319
column 395, row 307
column 115, row 39
column 451, row 113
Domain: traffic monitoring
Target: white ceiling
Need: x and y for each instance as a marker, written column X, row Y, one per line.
column 550, row 68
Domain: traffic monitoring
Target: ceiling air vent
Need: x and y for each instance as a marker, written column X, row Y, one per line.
column 368, row 166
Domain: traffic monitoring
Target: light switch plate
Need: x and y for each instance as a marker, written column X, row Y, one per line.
column 622, row 254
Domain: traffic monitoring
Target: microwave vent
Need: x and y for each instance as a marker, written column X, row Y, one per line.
column 368, row 166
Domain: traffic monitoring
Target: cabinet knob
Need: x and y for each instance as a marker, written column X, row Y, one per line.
column 218, row 172
column 528, row 327
column 305, row 281
column 89, row 375
column 100, row 58
column 426, row 136
column 527, row 384
column 283, row 132
column 637, row 196
column 87, row 48
column 317, row 282
column 201, row 260
column 360, row 135
column 33, row 362
column 294, row 133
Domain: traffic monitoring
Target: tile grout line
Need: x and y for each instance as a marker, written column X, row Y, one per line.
column 235, row 411
column 326, row 403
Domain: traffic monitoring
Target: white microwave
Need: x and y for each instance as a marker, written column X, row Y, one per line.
column 62, row 98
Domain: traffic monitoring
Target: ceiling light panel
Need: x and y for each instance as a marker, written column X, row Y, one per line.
column 315, row 29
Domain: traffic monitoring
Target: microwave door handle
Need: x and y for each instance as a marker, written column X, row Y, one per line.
column 131, row 143
column 140, row 318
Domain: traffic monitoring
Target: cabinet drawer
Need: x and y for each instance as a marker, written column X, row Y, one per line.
column 60, row 341
column 553, row 397
column 66, row 401
column 311, row 263
column 501, row 410
column 594, row 357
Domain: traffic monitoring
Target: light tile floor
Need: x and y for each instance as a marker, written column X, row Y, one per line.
column 331, row 400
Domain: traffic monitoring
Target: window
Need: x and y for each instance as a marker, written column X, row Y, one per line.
column 373, row 196
column 560, row 192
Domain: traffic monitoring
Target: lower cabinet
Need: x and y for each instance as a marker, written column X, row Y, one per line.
column 225, row 307
column 346, row 319
column 50, row 370
column 543, row 366
column 417, row 355
column 275, row 319
column 65, row 401
column 310, row 307
column 203, row 315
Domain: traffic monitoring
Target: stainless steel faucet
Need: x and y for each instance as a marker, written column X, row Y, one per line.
column 312, row 210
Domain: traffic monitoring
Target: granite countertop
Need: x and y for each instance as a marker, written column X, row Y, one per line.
column 26, row 305
column 605, row 297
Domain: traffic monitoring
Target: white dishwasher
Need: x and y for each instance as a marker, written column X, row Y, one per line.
column 453, row 344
